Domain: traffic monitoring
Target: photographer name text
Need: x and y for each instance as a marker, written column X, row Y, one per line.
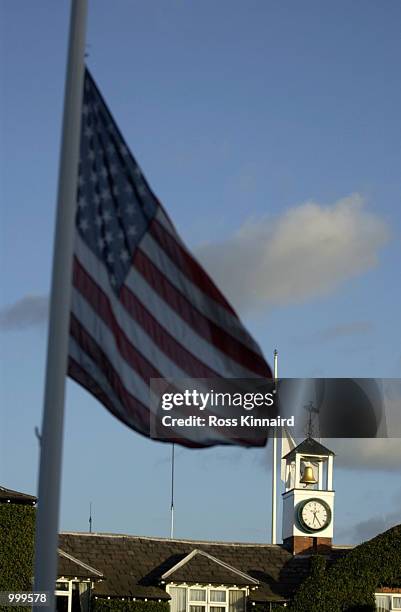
column 215, row 421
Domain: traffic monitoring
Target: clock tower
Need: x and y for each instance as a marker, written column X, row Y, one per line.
column 308, row 500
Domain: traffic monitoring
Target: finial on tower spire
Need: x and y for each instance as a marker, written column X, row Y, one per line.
column 311, row 410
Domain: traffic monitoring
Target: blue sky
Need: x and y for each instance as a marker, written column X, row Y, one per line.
column 270, row 131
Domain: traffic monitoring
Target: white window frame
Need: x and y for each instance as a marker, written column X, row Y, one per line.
column 195, row 602
column 217, row 604
column 207, row 604
column 66, row 593
column 389, row 597
column 203, row 603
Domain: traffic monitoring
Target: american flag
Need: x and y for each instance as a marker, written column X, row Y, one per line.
column 142, row 307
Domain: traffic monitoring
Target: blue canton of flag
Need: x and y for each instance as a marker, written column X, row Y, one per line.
column 115, row 204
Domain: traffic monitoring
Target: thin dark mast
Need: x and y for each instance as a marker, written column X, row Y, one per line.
column 172, row 491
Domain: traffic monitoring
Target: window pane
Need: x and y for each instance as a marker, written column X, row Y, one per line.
column 197, row 594
column 217, row 608
column 197, row 608
column 217, row 595
column 397, row 602
column 61, row 603
column 382, row 603
column 178, row 599
column 236, row 601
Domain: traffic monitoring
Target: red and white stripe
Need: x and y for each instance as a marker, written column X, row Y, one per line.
column 168, row 321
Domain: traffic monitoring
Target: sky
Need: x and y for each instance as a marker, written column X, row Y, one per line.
column 270, row 131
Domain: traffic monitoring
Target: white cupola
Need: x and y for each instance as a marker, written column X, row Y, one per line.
column 308, row 500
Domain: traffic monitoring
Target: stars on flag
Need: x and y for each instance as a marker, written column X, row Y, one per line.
column 105, row 194
column 115, row 205
column 123, row 150
column 108, row 237
column 124, row 255
column 82, row 202
column 83, row 225
column 88, row 131
column 110, row 149
column 106, row 216
column 113, row 168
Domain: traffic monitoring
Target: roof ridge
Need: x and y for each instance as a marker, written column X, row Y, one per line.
column 170, row 540
column 7, row 490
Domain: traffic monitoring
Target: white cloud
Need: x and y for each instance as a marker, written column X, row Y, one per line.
column 371, row 527
column 335, row 332
column 305, row 253
column 29, row 311
column 368, row 529
column 370, row 454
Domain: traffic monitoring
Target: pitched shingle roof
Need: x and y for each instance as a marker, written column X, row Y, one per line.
column 200, row 566
column 15, row 497
column 309, row 446
column 134, row 566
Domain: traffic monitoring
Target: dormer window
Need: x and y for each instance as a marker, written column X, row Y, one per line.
column 206, row 598
column 213, row 599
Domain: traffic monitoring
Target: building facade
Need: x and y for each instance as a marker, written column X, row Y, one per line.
column 200, row 576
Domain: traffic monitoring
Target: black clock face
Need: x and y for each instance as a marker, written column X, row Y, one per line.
column 314, row 515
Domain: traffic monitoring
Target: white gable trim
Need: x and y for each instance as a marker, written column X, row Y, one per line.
column 195, row 552
column 80, row 563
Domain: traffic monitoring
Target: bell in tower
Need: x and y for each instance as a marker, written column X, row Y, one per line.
column 308, row 477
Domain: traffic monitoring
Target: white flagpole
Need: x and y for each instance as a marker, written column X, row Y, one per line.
column 274, row 466
column 47, row 518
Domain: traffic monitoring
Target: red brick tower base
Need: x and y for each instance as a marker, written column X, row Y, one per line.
column 310, row 544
